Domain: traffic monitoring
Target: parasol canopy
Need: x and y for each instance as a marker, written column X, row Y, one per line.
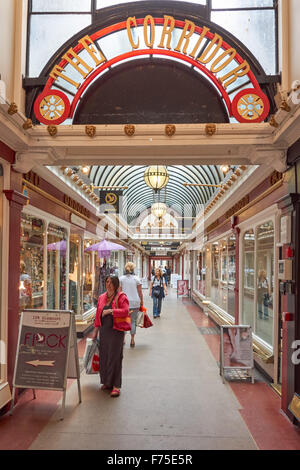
column 105, row 247
column 60, row 246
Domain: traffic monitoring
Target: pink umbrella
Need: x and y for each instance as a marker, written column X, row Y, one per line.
column 104, row 248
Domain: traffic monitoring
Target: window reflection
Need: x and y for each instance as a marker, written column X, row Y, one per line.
column 248, row 287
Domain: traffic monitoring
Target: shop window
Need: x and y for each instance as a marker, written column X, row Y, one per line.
column 231, row 275
column 265, row 282
column 215, row 293
column 56, row 279
column 31, row 288
column 88, row 278
column 201, row 272
column 258, row 281
column 248, row 284
column 223, row 286
column 75, row 273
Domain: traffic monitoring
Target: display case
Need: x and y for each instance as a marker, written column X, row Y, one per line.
column 31, row 288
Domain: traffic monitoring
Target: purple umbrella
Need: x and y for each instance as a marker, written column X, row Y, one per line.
column 60, row 246
column 104, row 248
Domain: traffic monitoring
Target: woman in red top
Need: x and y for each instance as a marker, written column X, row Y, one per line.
column 110, row 321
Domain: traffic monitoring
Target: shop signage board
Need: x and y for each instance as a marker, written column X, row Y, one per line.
column 47, row 352
column 236, row 349
column 182, row 288
column 111, row 201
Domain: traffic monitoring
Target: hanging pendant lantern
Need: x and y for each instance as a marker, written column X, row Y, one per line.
column 159, row 209
column 156, row 177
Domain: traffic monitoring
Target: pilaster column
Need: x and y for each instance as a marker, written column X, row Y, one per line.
column 16, row 203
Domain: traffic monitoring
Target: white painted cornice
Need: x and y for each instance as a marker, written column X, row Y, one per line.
column 26, row 161
column 11, row 130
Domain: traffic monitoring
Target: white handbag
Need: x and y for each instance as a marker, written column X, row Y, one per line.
column 140, row 320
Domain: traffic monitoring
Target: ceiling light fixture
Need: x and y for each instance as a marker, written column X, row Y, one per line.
column 159, row 209
column 225, row 169
column 156, row 177
column 85, row 170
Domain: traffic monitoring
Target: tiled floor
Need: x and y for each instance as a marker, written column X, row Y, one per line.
column 172, row 398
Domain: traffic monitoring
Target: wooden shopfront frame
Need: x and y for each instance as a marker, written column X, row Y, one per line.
column 5, row 393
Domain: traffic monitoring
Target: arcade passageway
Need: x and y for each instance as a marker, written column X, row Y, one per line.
column 172, row 398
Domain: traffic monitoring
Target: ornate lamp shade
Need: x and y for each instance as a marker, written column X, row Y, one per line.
column 156, row 177
column 159, row 209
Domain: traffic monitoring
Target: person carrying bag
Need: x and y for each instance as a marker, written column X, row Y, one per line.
column 112, row 319
column 157, row 291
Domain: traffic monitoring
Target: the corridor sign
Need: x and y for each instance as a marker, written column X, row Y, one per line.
column 174, row 39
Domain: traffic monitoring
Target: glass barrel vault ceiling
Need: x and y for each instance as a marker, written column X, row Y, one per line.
column 186, row 201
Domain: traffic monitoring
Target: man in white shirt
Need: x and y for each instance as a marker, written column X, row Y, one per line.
column 132, row 287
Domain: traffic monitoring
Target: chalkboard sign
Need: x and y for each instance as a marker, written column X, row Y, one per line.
column 47, row 351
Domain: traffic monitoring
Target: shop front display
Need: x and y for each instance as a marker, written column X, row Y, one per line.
column 31, row 289
column 56, row 272
column 258, row 280
column 74, row 273
column 57, row 267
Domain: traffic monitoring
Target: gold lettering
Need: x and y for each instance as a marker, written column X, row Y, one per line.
column 57, row 71
column 128, row 26
column 78, row 62
column 152, row 31
column 244, row 68
column 231, row 52
column 204, row 59
column 185, row 36
column 89, row 46
column 168, row 32
column 203, row 34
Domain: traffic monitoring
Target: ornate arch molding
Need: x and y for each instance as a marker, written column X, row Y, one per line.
column 49, row 90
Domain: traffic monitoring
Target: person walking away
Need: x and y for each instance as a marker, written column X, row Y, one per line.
column 157, row 291
column 132, row 287
column 112, row 319
column 168, row 275
column 165, row 275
